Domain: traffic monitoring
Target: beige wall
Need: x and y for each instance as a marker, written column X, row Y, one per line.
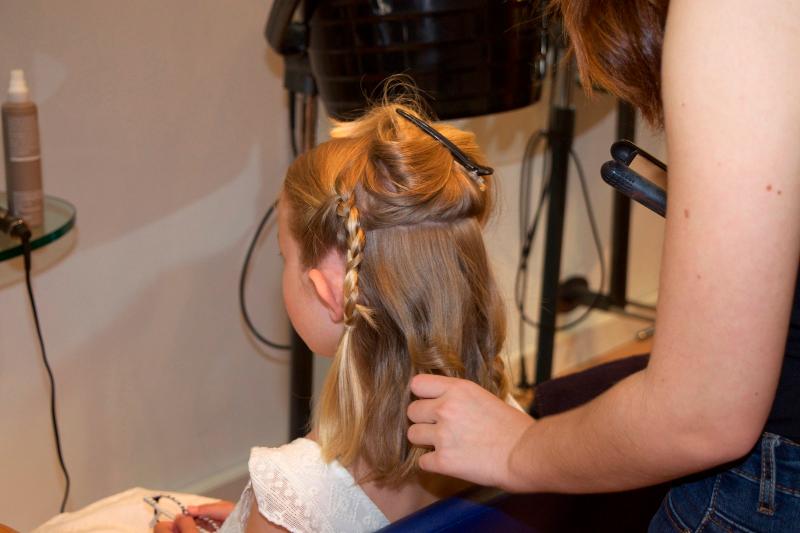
column 164, row 123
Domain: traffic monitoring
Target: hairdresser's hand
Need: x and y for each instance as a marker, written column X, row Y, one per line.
column 216, row 511
column 472, row 431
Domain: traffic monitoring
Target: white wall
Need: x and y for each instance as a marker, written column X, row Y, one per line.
column 164, row 124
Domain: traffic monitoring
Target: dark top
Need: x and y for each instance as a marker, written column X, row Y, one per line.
column 784, row 419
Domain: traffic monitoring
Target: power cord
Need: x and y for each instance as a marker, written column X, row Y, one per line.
column 293, row 122
column 17, row 228
column 528, row 231
column 246, row 266
column 243, row 279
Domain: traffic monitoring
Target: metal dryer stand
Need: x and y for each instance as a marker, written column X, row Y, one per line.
column 575, row 292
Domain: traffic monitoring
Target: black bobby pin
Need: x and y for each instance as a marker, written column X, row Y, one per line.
column 475, row 170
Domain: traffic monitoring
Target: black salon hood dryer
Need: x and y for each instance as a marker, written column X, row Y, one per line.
column 467, row 57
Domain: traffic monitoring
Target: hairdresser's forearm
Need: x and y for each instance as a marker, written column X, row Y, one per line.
column 625, row 438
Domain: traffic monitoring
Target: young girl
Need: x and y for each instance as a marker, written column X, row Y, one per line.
column 386, row 271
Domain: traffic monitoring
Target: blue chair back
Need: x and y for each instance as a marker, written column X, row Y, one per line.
column 482, row 509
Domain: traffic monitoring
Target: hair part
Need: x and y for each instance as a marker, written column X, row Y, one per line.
column 419, row 295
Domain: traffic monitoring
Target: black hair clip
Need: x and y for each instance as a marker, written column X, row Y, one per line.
column 475, row 170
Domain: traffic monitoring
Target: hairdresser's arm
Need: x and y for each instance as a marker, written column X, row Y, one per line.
column 732, row 243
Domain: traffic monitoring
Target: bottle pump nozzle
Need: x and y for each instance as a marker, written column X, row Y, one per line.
column 17, row 88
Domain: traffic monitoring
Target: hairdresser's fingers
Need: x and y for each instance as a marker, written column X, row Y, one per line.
column 185, row 524
column 449, row 398
column 423, row 411
column 473, row 435
column 422, row 434
column 431, row 462
column 163, row 527
column 215, row 510
column 429, row 386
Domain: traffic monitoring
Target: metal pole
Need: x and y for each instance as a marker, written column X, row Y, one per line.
column 618, row 288
column 301, row 373
column 561, row 132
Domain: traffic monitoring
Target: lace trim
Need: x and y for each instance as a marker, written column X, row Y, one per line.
column 279, row 502
column 295, row 489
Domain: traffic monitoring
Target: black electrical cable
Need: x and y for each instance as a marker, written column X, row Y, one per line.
column 529, row 229
column 526, row 179
column 26, row 252
column 598, row 245
column 243, row 279
column 292, row 122
column 522, row 271
column 264, row 219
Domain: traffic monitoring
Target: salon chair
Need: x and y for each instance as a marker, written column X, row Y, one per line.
column 483, row 509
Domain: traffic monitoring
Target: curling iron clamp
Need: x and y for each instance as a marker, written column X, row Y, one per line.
column 619, row 174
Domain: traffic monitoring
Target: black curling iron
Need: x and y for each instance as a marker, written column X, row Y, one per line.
column 638, row 175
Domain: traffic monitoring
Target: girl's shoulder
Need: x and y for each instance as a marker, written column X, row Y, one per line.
column 302, row 450
column 296, row 489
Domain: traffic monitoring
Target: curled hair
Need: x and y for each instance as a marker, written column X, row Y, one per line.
column 618, row 46
column 419, row 296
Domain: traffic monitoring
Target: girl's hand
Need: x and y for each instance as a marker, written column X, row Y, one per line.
column 182, row 524
column 472, row 431
column 216, row 511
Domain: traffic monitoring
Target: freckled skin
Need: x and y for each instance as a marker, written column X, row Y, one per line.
column 695, row 405
column 769, row 187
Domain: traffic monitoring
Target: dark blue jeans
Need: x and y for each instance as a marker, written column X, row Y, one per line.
column 761, row 492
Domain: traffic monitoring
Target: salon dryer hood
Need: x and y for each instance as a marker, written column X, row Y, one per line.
column 467, row 57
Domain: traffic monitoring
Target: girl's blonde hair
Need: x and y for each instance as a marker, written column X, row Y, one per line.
column 419, row 296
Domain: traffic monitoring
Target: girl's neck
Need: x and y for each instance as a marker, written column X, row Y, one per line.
column 395, row 502
column 419, row 491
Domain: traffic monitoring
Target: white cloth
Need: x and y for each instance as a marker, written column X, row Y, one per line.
column 295, row 489
column 125, row 512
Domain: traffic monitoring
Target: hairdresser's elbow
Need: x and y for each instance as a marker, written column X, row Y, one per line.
column 698, row 426
column 711, row 440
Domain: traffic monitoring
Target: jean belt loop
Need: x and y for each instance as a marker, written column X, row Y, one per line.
column 766, row 493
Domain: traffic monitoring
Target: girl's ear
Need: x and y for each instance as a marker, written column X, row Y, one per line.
column 328, row 280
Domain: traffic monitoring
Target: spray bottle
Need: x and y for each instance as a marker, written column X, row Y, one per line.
column 23, row 159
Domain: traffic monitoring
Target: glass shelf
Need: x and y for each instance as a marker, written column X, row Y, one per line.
column 59, row 218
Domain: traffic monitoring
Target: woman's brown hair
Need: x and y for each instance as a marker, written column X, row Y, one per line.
column 419, row 295
column 617, row 45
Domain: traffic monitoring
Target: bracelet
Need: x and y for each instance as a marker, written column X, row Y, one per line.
column 159, row 511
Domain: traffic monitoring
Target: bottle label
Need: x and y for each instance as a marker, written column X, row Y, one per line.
column 28, row 205
column 23, row 138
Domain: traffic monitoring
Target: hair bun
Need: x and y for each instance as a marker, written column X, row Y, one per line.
column 409, row 176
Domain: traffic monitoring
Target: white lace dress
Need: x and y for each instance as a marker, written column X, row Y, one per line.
column 294, row 488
